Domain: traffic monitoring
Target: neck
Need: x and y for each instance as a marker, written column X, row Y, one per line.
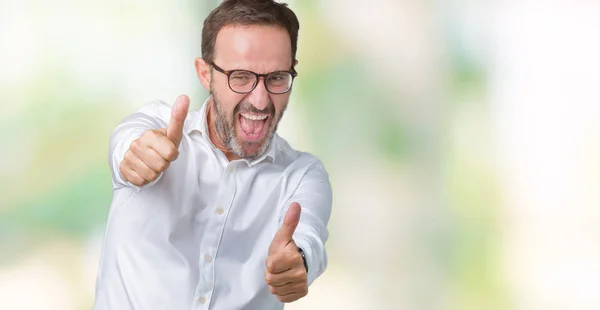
column 214, row 137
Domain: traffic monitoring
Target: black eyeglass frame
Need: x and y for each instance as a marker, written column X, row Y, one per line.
column 228, row 73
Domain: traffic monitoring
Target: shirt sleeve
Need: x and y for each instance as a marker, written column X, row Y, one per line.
column 153, row 115
column 314, row 195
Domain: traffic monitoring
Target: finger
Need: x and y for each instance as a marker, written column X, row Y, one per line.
column 293, row 275
column 286, row 289
column 283, row 261
column 178, row 115
column 137, row 165
column 286, row 231
column 165, row 148
column 152, row 159
column 131, row 176
column 291, row 297
column 157, row 141
column 283, row 290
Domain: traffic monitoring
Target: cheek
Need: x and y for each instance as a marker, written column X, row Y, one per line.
column 228, row 105
column 228, row 100
column 280, row 102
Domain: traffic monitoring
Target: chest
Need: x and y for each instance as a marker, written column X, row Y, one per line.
column 207, row 194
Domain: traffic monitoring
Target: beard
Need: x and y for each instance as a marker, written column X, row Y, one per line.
column 226, row 128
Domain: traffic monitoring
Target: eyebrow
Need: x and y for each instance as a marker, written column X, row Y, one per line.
column 261, row 72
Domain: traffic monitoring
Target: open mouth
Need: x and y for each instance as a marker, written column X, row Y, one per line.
column 252, row 126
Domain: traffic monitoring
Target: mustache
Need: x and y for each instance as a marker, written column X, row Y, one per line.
column 248, row 107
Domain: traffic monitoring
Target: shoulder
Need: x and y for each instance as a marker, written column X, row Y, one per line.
column 158, row 113
column 155, row 112
column 295, row 160
column 156, row 108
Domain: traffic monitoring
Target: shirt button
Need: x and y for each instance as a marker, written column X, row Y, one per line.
column 229, row 168
column 220, row 211
column 207, row 258
column 202, row 300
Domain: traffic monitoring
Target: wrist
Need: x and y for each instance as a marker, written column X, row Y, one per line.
column 303, row 259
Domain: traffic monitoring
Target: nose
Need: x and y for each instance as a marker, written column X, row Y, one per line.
column 259, row 96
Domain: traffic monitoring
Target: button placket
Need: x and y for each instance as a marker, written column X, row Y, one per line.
column 225, row 198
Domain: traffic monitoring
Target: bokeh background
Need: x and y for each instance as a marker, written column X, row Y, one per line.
column 462, row 140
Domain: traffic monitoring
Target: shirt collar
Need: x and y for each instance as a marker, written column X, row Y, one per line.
column 199, row 120
column 200, row 124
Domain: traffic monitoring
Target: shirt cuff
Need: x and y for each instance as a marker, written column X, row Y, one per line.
column 312, row 260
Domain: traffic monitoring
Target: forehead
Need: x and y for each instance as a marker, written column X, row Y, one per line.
column 257, row 48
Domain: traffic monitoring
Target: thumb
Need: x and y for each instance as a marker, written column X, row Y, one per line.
column 178, row 115
column 286, row 231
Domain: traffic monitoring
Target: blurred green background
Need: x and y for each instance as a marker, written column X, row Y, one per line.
column 462, row 140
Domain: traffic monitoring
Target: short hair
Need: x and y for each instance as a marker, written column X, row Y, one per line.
column 247, row 13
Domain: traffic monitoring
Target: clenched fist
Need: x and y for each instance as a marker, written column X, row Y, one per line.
column 154, row 151
column 285, row 273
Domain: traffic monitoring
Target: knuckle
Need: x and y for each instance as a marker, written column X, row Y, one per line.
column 272, row 289
column 163, row 165
column 152, row 175
column 304, row 290
column 148, row 134
column 122, row 167
column 135, row 180
column 171, row 152
column 130, row 157
column 126, row 175
column 135, row 145
column 127, row 157
column 286, row 298
column 127, row 162
column 269, row 278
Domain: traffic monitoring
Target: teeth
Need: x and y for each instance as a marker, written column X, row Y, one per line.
column 254, row 117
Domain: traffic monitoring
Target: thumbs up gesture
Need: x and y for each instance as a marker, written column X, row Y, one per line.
column 153, row 152
column 285, row 273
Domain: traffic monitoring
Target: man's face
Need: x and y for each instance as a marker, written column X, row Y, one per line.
column 246, row 123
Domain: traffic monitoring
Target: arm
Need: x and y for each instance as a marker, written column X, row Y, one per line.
column 304, row 226
column 315, row 197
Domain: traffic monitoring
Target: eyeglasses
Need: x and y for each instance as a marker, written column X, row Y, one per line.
column 244, row 81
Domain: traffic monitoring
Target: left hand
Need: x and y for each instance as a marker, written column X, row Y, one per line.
column 285, row 273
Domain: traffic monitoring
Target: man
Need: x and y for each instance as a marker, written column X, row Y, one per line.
column 212, row 209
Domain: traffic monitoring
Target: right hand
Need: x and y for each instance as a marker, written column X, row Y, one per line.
column 154, row 151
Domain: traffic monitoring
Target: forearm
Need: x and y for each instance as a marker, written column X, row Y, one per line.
column 314, row 251
column 314, row 195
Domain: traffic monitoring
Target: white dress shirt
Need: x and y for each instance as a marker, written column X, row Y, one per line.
column 198, row 236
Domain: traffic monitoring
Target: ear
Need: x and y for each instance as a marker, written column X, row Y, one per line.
column 203, row 72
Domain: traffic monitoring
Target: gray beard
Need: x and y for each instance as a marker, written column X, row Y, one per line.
column 226, row 130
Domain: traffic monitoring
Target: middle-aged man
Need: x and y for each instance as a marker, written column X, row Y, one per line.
column 212, row 209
